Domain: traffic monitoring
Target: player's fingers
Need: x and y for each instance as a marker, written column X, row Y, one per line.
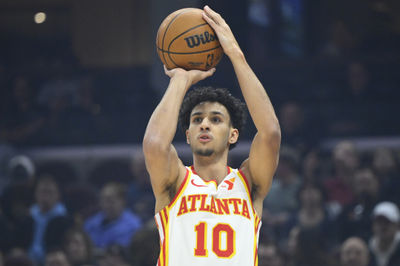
column 213, row 15
column 210, row 72
column 166, row 71
column 209, row 20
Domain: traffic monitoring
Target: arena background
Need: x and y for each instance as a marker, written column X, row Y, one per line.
column 79, row 80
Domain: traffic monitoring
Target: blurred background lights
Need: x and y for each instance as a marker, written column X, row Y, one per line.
column 40, row 17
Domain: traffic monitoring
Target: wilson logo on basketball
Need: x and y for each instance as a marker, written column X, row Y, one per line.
column 195, row 40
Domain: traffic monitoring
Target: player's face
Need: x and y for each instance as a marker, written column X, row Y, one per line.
column 210, row 129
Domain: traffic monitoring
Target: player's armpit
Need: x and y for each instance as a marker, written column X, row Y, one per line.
column 263, row 160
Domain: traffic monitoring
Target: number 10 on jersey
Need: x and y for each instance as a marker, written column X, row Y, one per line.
column 218, row 231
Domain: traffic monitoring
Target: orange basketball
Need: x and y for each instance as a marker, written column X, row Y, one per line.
column 184, row 39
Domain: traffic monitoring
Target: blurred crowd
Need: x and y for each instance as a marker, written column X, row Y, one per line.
column 338, row 207
column 330, row 75
column 49, row 217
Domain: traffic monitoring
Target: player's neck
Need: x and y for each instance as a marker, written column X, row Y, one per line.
column 211, row 170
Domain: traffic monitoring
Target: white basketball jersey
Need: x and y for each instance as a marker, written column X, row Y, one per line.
column 210, row 225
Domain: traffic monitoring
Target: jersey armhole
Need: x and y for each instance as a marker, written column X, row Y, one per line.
column 246, row 184
column 181, row 188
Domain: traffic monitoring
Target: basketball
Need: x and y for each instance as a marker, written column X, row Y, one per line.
column 185, row 40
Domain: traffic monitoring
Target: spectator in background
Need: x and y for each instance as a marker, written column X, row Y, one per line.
column 114, row 255
column 47, row 207
column 282, row 197
column 140, row 194
column 312, row 170
column 385, row 241
column 385, row 166
column 20, row 170
column 354, row 252
column 56, row 257
column 16, row 200
column 269, row 255
column 18, row 260
column 114, row 224
column 311, row 214
column 295, row 132
column 23, row 118
column 354, row 101
column 339, row 186
column 78, row 247
column 307, row 247
column 355, row 219
column 144, row 248
column 55, row 232
column 341, row 41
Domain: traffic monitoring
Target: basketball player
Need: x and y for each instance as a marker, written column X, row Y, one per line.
column 208, row 213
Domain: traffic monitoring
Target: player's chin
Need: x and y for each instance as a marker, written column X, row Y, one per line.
column 206, row 152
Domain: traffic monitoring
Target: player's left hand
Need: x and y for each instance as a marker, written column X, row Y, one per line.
column 223, row 31
column 193, row 76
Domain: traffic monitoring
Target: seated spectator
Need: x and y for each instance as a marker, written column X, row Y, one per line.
column 21, row 169
column 269, row 255
column 78, row 247
column 312, row 168
column 341, row 41
column 355, row 219
column 56, row 257
column 311, row 214
column 23, row 119
column 385, row 166
column 292, row 121
column 282, row 197
column 307, row 248
column 81, row 201
column 140, row 193
column 18, row 260
column 114, row 255
column 144, row 249
column 16, row 201
column 339, row 186
column 384, row 244
column 354, row 99
column 55, row 231
column 47, row 207
column 354, row 252
column 114, row 224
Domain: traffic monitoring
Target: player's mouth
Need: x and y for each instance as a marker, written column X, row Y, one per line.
column 204, row 138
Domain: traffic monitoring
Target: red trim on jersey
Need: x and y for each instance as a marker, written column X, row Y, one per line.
column 165, row 215
column 180, row 189
column 194, row 171
column 245, row 180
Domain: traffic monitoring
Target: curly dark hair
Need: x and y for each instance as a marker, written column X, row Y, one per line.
column 236, row 108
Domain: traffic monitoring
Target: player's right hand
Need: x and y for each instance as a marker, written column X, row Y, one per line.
column 223, row 31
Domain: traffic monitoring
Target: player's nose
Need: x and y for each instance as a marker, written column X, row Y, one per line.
column 205, row 124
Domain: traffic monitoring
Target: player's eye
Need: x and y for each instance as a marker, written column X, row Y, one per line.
column 196, row 119
column 216, row 119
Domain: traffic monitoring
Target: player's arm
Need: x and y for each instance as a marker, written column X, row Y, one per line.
column 263, row 157
column 162, row 162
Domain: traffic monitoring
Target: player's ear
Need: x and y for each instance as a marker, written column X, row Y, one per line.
column 187, row 136
column 234, row 135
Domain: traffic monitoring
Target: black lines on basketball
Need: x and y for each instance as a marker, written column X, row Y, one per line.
column 188, row 41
